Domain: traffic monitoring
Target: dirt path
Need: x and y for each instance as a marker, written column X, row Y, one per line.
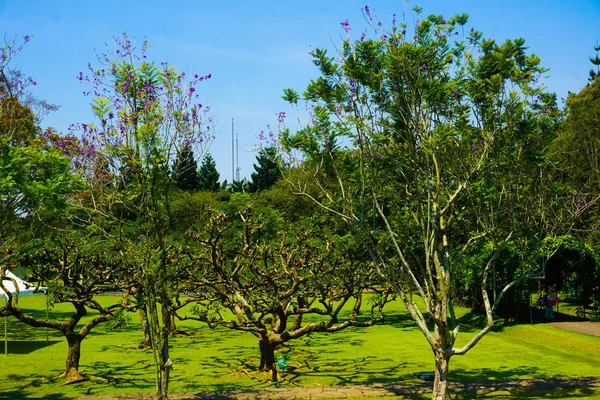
column 586, row 327
column 378, row 390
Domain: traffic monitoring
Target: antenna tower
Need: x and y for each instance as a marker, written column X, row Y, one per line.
column 232, row 153
column 237, row 157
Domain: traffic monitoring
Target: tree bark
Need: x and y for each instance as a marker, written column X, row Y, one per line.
column 147, row 342
column 440, row 382
column 267, row 357
column 71, row 372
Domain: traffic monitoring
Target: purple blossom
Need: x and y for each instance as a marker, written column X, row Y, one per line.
column 346, row 25
column 424, row 66
column 281, row 117
column 473, row 147
column 368, row 11
column 362, row 36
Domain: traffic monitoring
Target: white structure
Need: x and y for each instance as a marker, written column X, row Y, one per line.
column 25, row 289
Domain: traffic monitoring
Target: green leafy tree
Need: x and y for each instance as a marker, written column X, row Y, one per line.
column 186, row 170
column 405, row 132
column 34, row 175
column 208, row 176
column 266, row 170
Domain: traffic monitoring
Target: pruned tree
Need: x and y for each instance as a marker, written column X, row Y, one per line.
column 405, row 131
column 75, row 270
column 270, row 287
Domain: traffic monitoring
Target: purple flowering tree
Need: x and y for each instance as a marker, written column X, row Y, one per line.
column 146, row 115
column 419, row 142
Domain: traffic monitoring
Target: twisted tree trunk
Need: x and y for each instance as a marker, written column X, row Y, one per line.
column 71, row 372
column 267, row 357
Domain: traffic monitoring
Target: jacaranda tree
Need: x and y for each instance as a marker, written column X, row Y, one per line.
column 147, row 114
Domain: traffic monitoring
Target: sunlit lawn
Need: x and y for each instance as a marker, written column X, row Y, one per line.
column 221, row 359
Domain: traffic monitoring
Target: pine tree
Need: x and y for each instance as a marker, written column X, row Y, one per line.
column 239, row 186
column 596, row 61
column 185, row 170
column 267, row 171
column 208, row 175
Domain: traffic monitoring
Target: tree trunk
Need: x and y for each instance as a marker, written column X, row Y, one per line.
column 71, row 372
column 357, row 305
column 440, row 382
column 172, row 326
column 166, row 331
column 267, row 357
column 147, row 342
column 159, row 344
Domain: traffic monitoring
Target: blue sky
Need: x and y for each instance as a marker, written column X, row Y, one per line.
column 255, row 49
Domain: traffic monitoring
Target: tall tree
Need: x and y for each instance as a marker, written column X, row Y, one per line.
column 147, row 114
column 266, row 170
column 186, row 170
column 405, row 131
column 208, row 176
column 576, row 154
column 596, row 61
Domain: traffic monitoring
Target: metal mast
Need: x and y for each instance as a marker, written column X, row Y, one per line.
column 237, row 157
column 232, row 154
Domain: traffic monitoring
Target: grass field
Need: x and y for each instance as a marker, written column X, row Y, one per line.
column 221, row 359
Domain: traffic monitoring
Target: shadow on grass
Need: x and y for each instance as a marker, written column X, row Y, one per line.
column 137, row 376
column 535, row 388
column 554, row 393
column 27, row 346
column 22, row 385
column 496, row 374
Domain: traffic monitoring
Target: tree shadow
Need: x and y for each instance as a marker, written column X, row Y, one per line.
column 492, row 374
column 27, row 346
column 534, row 388
column 134, row 376
column 22, row 384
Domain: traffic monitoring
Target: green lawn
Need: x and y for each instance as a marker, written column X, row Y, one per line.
column 221, row 359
